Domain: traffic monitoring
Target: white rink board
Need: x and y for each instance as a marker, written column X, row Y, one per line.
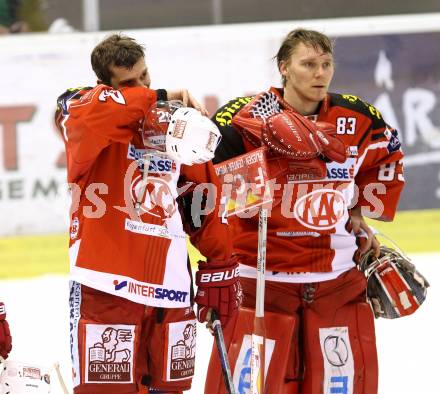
column 223, row 61
column 408, row 348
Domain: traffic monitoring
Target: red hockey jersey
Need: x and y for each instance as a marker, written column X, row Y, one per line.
column 139, row 254
column 309, row 237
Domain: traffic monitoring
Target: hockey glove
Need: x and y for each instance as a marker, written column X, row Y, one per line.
column 5, row 335
column 294, row 136
column 394, row 286
column 218, row 288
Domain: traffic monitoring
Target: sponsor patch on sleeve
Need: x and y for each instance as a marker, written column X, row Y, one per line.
column 393, row 138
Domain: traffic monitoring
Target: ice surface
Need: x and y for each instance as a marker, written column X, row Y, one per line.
column 408, row 348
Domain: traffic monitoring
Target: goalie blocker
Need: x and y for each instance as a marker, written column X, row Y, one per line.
column 314, row 339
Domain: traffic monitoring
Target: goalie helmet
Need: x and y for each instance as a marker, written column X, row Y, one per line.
column 191, row 137
column 394, row 287
column 22, row 378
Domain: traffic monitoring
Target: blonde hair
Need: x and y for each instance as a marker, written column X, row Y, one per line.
column 311, row 38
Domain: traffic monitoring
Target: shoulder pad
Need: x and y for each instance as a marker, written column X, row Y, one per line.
column 356, row 104
column 224, row 115
column 69, row 94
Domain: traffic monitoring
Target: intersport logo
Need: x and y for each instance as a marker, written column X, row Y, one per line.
column 321, row 209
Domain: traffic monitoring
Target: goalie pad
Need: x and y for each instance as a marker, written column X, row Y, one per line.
column 339, row 351
column 281, row 330
column 395, row 288
column 288, row 133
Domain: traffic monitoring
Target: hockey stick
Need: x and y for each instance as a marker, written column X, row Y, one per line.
column 56, row 366
column 258, row 346
column 223, row 354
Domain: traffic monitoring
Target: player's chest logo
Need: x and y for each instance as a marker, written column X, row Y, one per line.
column 320, row 209
column 155, row 195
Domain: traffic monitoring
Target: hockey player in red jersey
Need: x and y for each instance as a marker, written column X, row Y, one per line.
column 132, row 325
column 5, row 334
column 319, row 328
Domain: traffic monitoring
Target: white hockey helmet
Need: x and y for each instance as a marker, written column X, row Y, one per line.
column 191, row 137
column 394, row 287
column 23, row 378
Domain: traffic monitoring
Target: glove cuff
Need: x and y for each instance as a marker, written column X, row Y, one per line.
column 217, row 264
column 218, row 276
column 2, row 311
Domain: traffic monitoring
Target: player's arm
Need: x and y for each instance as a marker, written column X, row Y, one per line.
column 217, row 278
column 187, row 99
column 201, row 202
column 380, row 177
column 379, row 191
column 90, row 119
column 108, row 113
column 379, row 181
column 231, row 144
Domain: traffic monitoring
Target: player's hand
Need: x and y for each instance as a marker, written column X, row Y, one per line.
column 187, row 99
column 364, row 235
column 209, row 321
column 219, row 289
column 5, row 335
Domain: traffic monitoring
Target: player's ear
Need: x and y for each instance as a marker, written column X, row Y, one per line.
column 283, row 68
column 99, row 82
